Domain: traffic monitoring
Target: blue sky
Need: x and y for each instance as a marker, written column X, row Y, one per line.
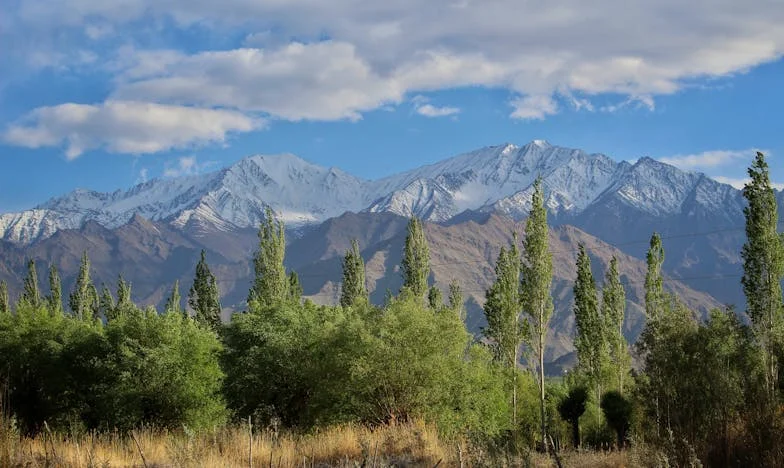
column 103, row 95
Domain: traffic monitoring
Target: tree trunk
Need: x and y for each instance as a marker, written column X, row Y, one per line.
column 542, row 331
column 576, row 432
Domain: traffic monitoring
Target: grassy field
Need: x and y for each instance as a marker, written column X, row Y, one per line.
column 346, row 446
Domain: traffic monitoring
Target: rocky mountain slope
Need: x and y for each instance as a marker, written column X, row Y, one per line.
column 152, row 255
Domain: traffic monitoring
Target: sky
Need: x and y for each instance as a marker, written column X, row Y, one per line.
column 103, row 95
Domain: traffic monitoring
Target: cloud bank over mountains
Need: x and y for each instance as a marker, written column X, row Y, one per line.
column 205, row 70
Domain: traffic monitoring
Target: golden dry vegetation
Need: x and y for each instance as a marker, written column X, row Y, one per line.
column 414, row 444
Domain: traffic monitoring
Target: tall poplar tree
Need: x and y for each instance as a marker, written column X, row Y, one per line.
column 173, row 303
column 613, row 312
column 416, row 259
column 763, row 268
column 55, row 298
column 204, row 297
column 503, row 313
column 271, row 284
column 123, row 293
column 354, row 289
column 31, row 295
column 106, row 304
column 537, row 272
column 654, row 284
column 591, row 344
column 5, row 308
column 295, row 288
column 456, row 300
column 83, row 300
column 435, row 299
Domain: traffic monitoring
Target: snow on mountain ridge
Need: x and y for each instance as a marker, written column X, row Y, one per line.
column 496, row 178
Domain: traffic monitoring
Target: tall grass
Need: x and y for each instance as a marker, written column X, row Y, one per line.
column 404, row 444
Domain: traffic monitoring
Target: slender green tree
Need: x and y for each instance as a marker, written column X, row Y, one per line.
column 55, row 298
column 434, row 298
column 654, row 283
column 204, row 297
column 503, row 313
column 763, row 268
column 123, row 293
column 106, row 306
column 271, row 284
column 31, row 295
column 4, row 304
column 614, row 311
column 456, row 300
column 537, row 272
column 416, row 259
column 173, row 303
column 354, row 289
column 295, row 288
column 83, row 300
column 591, row 342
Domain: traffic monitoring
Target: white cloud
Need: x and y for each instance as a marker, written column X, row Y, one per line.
column 185, row 166
column 143, row 176
column 422, row 107
column 125, row 127
column 429, row 110
column 534, row 107
column 381, row 51
column 321, row 81
column 710, row 159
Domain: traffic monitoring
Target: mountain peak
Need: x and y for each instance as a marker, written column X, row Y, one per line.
column 491, row 178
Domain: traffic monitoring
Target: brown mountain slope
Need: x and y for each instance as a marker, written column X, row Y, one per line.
column 467, row 251
column 153, row 255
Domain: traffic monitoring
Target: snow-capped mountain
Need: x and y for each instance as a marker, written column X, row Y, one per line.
column 497, row 179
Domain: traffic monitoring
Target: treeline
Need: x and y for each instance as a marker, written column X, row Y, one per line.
column 707, row 391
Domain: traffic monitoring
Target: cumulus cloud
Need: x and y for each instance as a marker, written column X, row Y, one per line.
column 125, row 127
column 185, row 166
column 424, row 108
column 710, row 159
column 379, row 52
column 321, row 81
column 534, row 107
column 429, row 110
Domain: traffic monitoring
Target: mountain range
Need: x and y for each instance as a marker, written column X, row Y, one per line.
column 473, row 202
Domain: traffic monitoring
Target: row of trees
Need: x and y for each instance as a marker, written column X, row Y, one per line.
column 706, row 390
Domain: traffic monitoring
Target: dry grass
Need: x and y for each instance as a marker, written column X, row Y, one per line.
column 414, row 444
column 402, row 445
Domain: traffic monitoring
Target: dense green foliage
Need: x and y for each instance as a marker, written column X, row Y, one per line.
column 140, row 368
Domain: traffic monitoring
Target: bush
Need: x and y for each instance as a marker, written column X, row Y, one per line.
column 618, row 413
column 163, row 371
column 141, row 369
